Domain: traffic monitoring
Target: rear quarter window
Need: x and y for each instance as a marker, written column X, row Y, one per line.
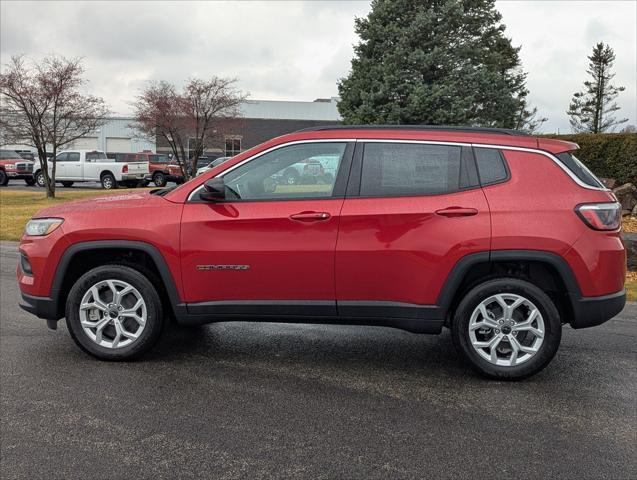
column 491, row 165
column 578, row 169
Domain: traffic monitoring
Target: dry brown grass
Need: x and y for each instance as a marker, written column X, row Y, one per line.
column 629, row 224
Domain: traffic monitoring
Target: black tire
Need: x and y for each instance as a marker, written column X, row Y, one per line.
column 291, row 177
column 4, row 178
column 29, row 181
column 159, row 179
column 154, row 322
column 39, row 178
column 108, row 181
column 66, row 184
column 546, row 307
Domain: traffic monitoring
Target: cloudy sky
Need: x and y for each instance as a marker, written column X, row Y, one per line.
column 297, row 50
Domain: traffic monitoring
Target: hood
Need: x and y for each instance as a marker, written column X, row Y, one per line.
column 97, row 204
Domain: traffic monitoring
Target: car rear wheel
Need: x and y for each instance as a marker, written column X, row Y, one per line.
column 4, row 179
column 108, row 181
column 507, row 328
column 114, row 312
column 159, row 179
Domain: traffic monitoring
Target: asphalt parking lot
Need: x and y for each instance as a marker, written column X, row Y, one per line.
column 248, row 400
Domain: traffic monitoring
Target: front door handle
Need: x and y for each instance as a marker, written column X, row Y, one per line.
column 457, row 212
column 310, row 216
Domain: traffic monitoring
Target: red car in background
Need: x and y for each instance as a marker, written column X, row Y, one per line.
column 13, row 166
column 161, row 170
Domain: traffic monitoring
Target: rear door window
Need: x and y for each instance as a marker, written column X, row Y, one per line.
column 403, row 169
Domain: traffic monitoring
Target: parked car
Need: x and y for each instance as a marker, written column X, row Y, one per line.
column 92, row 166
column 321, row 169
column 14, row 167
column 212, row 164
column 499, row 236
column 160, row 169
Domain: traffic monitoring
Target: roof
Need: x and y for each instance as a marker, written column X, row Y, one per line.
column 320, row 109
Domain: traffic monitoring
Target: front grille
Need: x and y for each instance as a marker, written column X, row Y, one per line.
column 24, row 167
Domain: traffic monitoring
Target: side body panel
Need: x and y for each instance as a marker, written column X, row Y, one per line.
column 400, row 250
column 535, row 210
column 269, row 256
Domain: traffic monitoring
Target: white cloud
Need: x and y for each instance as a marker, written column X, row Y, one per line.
column 298, row 50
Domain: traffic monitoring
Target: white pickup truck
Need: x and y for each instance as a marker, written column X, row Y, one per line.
column 92, row 166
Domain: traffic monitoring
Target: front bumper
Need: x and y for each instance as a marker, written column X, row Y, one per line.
column 169, row 178
column 42, row 307
column 19, row 175
column 591, row 311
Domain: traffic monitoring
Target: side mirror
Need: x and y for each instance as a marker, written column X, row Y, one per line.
column 214, row 190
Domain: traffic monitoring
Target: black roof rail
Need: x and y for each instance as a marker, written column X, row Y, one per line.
column 451, row 128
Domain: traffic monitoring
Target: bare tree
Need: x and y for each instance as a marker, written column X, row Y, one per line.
column 209, row 104
column 41, row 105
column 159, row 112
column 200, row 112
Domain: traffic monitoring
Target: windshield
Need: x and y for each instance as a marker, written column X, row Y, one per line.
column 8, row 155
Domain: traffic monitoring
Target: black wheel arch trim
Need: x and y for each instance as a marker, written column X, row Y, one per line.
column 462, row 267
column 151, row 250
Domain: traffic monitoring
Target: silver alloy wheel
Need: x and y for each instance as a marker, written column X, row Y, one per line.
column 107, row 183
column 506, row 329
column 39, row 179
column 113, row 313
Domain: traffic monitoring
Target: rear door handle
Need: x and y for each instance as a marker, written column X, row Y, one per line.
column 457, row 212
column 310, row 216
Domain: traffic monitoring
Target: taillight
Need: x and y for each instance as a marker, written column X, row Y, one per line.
column 125, row 169
column 601, row 216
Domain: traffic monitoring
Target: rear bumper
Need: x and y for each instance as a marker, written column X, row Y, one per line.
column 591, row 311
column 42, row 307
column 133, row 176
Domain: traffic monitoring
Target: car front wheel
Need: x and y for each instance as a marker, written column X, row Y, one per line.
column 39, row 178
column 4, row 178
column 507, row 328
column 113, row 312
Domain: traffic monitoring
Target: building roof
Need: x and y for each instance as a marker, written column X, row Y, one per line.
column 320, row 109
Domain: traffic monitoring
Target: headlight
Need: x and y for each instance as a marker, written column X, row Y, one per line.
column 39, row 227
column 10, row 166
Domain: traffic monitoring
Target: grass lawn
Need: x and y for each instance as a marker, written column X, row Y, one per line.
column 17, row 207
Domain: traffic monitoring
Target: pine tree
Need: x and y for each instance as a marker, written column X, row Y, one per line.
column 434, row 62
column 591, row 111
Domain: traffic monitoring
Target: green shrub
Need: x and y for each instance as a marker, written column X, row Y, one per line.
column 610, row 155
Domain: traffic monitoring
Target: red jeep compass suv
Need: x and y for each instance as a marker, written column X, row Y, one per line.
column 500, row 236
